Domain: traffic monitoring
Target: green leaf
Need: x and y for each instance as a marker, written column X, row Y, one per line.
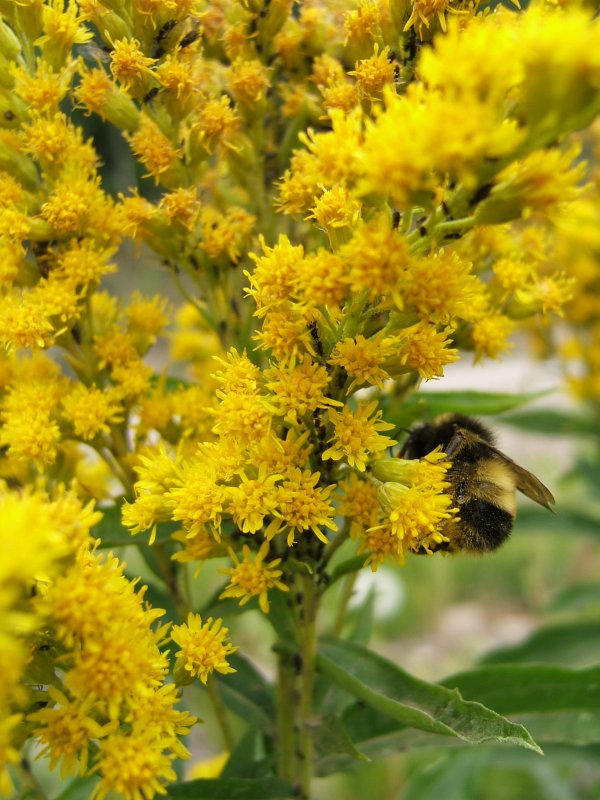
column 232, row 789
column 247, row 693
column 78, row 789
column 282, row 619
column 575, row 643
column 362, row 620
column 555, row 703
column 347, row 567
column 415, row 703
column 519, row 688
column 426, row 405
column 456, row 776
column 331, row 737
column 583, row 597
column 487, row 773
column 555, row 422
column 113, row 533
column 565, row 521
column 248, row 758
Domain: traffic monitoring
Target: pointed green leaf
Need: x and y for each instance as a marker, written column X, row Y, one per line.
column 78, row 789
column 231, row 789
column 112, row 533
column 555, row 703
column 346, row 567
column 331, row 737
column 247, row 693
column 582, row 598
column 282, row 619
column 248, row 758
column 415, row 703
column 555, row 422
column 566, row 521
column 426, row 405
column 362, row 620
column 568, row 644
column 519, row 688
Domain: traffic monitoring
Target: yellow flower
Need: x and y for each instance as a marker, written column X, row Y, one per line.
column 273, row 276
column 416, row 514
column 253, row 578
column 83, row 262
column 363, row 359
column 181, row 206
column 200, row 548
column 153, row 149
column 415, row 500
column 359, row 503
column 278, row 455
column 147, row 316
column 91, row 411
column 24, row 324
column 321, row 279
column 144, row 513
column 242, row 416
column 253, row 500
column 303, row 506
column 209, row 767
column 357, row 438
column 335, row 208
column 217, row 123
column 197, row 501
column 203, row 648
column 30, row 432
column 284, row 333
column 380, row 542
column 62, row 29
column 363, row 22
column 132, row 766
column 129, row 65
column 377, row 257
column 373, row 73
column 298, row 389
column 43, row 90
column 427, row 350
column 442, row 288
column 490, row 335
column 248, row 80
column 66, row 731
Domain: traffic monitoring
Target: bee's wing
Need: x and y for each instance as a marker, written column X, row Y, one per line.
column 526, row 481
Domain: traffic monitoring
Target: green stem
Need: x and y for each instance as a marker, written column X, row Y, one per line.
column 346, row 595
column 286, row 703
column 221, row 715
column 32, row 789
column 335, row 544
column 200, row 308
column 170, row 574
column 120, row 450
column 308, row 654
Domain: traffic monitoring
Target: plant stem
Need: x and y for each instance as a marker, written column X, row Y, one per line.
column 221, row 715
column 347, row 590
column 308, row 643
column 286, row 702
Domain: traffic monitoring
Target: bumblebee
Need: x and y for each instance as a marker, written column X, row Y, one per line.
column 483, row 481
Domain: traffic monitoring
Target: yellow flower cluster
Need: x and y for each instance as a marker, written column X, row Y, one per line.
column 347, row 200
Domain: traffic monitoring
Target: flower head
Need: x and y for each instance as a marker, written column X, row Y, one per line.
column 253, row 577
column 203, row 647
